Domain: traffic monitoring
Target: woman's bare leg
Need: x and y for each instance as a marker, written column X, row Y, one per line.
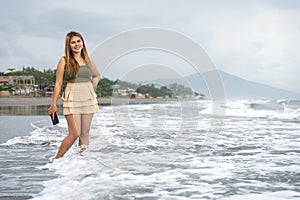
column 86, row 120
column 77, row 118
column 71, row 138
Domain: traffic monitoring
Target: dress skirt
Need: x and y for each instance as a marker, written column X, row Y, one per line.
column 79, row 98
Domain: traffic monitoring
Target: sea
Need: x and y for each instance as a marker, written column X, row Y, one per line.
column 204, row 149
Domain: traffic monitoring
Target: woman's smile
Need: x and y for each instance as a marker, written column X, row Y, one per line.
column 76, row 44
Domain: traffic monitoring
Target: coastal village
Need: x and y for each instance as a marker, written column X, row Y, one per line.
column 23, row 86
column 21, row 83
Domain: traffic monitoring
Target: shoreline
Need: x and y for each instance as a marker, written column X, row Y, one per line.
column 43, row 101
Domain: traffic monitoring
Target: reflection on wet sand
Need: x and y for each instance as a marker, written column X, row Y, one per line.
column 26, row 110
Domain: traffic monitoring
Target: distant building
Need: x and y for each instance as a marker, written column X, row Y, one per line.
column 49, row 90
column 24, row 84
column 5, row 86
column 23, row 80
column 6, row 80
column 126, row 92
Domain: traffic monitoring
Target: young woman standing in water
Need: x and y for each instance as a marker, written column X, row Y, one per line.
column 79, row 75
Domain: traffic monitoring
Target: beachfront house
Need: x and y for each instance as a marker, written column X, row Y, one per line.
column 24, row 85
column 17, row 85
column 6, row 85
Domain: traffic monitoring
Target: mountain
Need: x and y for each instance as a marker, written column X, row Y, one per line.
column 234, row 87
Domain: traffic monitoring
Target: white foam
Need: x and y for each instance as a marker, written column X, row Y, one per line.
column 241, row 108
column 41, row 135
column 268, row 195
column 132, row 162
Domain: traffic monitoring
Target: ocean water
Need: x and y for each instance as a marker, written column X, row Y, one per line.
column 238, row 149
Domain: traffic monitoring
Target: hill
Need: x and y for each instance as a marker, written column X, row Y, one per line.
column 234, row 86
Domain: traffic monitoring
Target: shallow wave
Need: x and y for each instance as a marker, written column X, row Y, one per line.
column 254, row 156
column 259, row 109
column 159, row 152
column 44, row 134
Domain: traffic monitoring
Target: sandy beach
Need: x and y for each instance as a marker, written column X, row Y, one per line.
column 25, row 101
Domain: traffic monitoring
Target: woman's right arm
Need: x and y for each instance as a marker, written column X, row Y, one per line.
column 58, row 84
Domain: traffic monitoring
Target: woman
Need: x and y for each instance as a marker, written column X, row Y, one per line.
column 78, row 73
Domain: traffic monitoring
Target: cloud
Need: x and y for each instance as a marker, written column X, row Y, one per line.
column 256, row 40
column 258, row 47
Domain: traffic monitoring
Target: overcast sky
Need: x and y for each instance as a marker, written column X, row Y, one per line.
column 257, row 40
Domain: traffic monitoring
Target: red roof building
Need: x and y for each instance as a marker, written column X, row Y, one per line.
column 5, row 80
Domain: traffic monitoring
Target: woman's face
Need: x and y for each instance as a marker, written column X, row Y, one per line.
column 76, row 44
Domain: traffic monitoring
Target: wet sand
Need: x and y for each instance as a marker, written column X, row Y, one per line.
column 40, row 105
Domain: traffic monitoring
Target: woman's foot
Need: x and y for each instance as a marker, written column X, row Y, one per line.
column 83, row 149
column 52, row 159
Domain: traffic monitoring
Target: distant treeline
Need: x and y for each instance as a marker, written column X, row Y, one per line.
column 105, row 86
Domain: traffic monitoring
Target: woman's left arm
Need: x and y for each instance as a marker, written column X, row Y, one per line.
column 95, row 73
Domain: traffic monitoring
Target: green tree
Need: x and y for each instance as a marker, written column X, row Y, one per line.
column 6, row 87
column 126, row 85
column 104, row 87
column 153, row 91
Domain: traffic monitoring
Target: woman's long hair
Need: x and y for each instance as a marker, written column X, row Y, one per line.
column 72, row 66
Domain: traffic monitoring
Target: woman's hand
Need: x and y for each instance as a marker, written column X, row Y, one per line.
column 52, row 109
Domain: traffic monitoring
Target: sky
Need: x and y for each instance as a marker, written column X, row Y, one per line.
column 258, row 40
